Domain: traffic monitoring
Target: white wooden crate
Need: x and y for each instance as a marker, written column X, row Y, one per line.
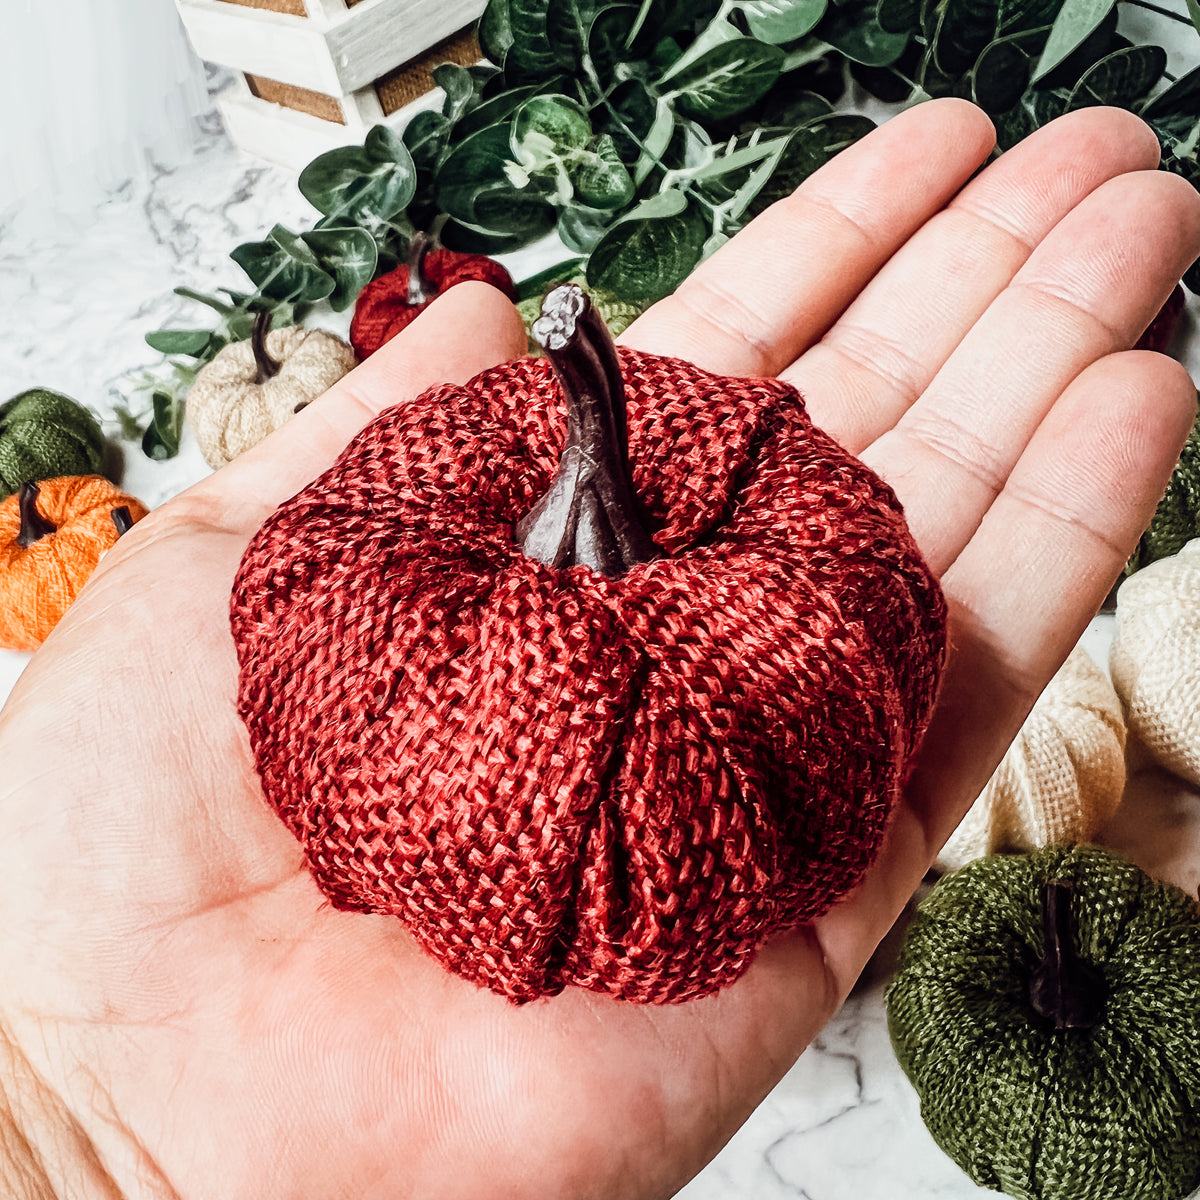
column 309, row 75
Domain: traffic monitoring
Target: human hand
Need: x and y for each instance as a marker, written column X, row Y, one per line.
column 183, row 1015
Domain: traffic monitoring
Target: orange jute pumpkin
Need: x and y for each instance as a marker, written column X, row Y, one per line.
column 52, row 535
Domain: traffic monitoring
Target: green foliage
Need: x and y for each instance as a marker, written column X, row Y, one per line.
column 645, row 133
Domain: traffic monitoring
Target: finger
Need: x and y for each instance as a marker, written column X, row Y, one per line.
column 1090, row 288
column 883, row 352
column 778, row 285
column 468, row 329
column 1020, row 596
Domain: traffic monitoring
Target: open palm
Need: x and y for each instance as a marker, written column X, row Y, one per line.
column 183, row 1015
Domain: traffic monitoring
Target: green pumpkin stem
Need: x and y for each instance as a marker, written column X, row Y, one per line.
column 1064, row 989
column 122, row 518
column 420, row 289
column 591, row 514
column 34, row 526
column 265, row 366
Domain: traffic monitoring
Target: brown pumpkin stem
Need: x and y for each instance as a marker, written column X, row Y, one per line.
column 1065, row 989
column 591, row 514
column 265, row 366
column 122, row 518
column 34, row 526
column 420, row 289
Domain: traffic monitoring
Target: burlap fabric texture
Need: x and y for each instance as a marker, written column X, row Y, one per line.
column 1062, row 777
column 229, row 412
column 553, row 777
column 1155, row 659
column 1110, row 1112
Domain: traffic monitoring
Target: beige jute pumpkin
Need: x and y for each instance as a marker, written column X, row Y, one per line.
column 253, row 387
column 1155, row 659
column 1062, row 777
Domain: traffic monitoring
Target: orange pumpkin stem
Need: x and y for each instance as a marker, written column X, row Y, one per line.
column 265, row 366
column 1065, row 989
column 34, row 526
column 420, row 289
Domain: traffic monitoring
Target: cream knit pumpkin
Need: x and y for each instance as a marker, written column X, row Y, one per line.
column 1155, row 659
column 1062, row 777
column 230, row 412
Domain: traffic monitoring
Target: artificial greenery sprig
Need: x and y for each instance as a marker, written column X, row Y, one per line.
column 646, row 134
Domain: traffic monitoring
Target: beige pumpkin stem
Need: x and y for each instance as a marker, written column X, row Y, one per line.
column 265, row 366
column 34, row 526
column 420, row 288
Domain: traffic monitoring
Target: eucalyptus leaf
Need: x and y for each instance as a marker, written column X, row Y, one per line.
column 1193, row 7
column 471, row 239
column 656, row 142
column 717, row 33
column 599, row 176
column 558, row 120
column 161, row 439
column 214, row 302
column 898, row 16
column 284, row 268
column 728, row 79
column 607, row 44
column 807, row 149
column 426, row 136
column 580, row 229
column 537, row 285
column 778, row 21
column 192, row 342
column 1014, row 125
column 967, row 26
column 495, row 31
column 790, row 106
column 476, row 163
column 506, row 210
column 357, row 185
column 492, row 112
column 1002, row 71
column 852, row 30
column 1121, row 78
column 1103, row 40
column 647, row 254
column 459, row 88
column 534, row 58
column 350, row 256
column 1076, row 21
column 567, row 25
column 1176, row 111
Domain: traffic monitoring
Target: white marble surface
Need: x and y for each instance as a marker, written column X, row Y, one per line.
column 843, row 1124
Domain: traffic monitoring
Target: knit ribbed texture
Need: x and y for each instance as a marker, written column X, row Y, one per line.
column 43, row 435
column 39, row 583
column 229, row 412
column 1155, row 659
column 383, row 307
column 1062, row 777
column 1106, row 1113
column 616, row 313
column 554, row 777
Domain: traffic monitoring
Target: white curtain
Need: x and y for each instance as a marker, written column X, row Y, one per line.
column 89, row 88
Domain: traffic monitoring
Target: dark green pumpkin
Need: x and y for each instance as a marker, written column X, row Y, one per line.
column 43, row 435
column 1068, row 1075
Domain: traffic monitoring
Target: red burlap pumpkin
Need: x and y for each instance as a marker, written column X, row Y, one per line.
column 556, row 777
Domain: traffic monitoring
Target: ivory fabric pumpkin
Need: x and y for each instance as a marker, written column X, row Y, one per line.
column 613, row 737
column 1155, row 659
column 52, row 535
column 1062, row 777
column 1046, row 1008
column 252, row 387
column 44, row 434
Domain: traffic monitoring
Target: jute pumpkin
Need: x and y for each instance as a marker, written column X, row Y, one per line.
column 1155, row 659
column 1062, row 777
column 253, row 387
column 390, row 303
column 52, row 535
column 1047, row 1010
column 579, row 714
column 44, row 434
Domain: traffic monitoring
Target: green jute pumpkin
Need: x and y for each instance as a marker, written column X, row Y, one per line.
column 1047, row 1010
column 46, row 435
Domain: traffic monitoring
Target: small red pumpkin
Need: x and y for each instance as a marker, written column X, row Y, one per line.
column 394, row 300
